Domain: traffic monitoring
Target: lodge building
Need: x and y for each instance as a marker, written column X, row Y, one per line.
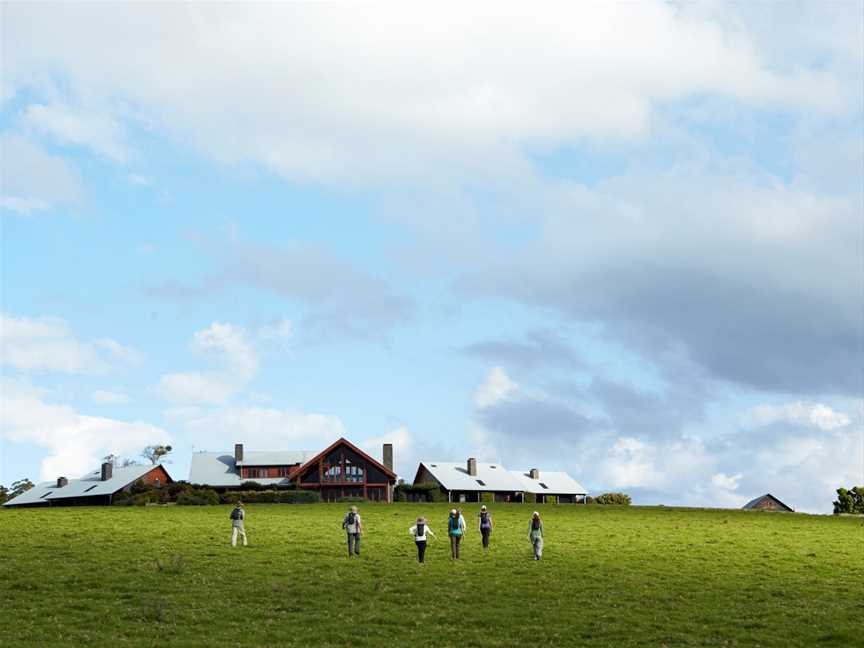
column 97, row 488
column 467, row 482
column 340, row 470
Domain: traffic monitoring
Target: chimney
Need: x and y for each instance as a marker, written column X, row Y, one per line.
column 534, row 473
column 387, row 455
column 61, row 482
column 238, row 452
column 472, row 467
column 107, row 471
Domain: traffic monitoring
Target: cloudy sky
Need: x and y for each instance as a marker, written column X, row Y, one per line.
column 620, row 239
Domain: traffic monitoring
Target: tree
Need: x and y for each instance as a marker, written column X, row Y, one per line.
column 850, row 501
column 4, row 494
column 20, row 486
column 156, row 453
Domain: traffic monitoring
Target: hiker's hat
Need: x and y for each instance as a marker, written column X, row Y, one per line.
column 536, row 514
column 483, row 508
column 453, row 512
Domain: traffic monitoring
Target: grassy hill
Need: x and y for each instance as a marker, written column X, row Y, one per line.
column 610, row 577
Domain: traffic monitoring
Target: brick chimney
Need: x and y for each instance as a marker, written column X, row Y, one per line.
column 534, row 473
column 238, row 452
column 107, row 471
column 61, row 482
column 387, row 455
column 472, row 467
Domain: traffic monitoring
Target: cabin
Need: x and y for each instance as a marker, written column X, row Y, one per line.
column 340, row 470
column 767, row 502
column 467, row 482
column 97, row 488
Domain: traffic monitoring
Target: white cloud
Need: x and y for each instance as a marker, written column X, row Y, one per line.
column 75, row 442
column 32, row 180
column 223, row 342
column 726, row 482
column 405, row 458
column 48, row 344
column 496, row 387
column 80, row 126
column 110, row 397
column 799, row 413
column 410, row 91
column 259, row 427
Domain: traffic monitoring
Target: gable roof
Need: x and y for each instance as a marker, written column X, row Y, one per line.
column 275, row 457
column 454, row 476
column 342, row 441
column 752, row 503
column 557, row 483
column 90, row 485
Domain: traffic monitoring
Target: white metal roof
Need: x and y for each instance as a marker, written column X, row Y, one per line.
column 90, row 485
column 490, row 477
column 276, row 457
column 556, row 483
column 218, row 468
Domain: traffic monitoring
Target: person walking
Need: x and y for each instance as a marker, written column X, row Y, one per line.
column 353, row 526
column 485, row 521
column 238, row 515
column 535, row 534
column 455, row 529
column 419, row 531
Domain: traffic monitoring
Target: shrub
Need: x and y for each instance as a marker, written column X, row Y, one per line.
column 850, row 501
column 489, row 498
column 427, row 492
column 530, row 498
column 198, row 497
column 351, row 498
column 122, row 499
column 619, row 499
column 253, row 486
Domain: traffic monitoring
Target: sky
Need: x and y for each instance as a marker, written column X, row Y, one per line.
column 625, row 240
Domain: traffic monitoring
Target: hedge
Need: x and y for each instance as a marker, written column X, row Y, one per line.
column 427, row 492
column 198, row 497
column 620, row 499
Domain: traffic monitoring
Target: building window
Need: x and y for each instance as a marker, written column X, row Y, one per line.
column 91, row 488
column 481, row 482
column 284, row 471
column 544, row 485
column 253, row 473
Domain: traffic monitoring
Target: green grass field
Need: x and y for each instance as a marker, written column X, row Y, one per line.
column 610, row 577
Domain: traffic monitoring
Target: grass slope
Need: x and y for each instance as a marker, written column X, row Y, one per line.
column 611, row 577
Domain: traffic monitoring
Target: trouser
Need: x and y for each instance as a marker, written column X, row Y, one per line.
column 421, row 549
column 455, row 541
column 234, row 532
column 485, row 535
column 538, row 548
column 353, row 544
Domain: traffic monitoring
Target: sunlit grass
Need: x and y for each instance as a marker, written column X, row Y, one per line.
column 610, row 577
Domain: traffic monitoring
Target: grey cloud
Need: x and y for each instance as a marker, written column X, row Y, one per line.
column 539, row 348
column 340, row 298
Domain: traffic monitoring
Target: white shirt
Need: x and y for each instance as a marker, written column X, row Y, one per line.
column 420, row 538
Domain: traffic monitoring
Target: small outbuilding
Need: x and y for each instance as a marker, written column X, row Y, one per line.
column 94, row 489
column 767, row 502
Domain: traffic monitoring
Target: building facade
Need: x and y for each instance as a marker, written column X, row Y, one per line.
column 340, row 470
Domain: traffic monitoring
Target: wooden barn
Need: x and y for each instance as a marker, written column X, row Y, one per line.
column 341, row 470
column 94, row 489
column 768, row 502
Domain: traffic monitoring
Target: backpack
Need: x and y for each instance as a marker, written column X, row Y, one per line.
column 235, row 514
column 535, row 524
column 351, row 519
column 421, row 530
column 453, row 524
column 484, row 520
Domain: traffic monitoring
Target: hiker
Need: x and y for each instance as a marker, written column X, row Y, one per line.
column 354, row 528
column 455, row 529
column 237, row 516
column 485, row 521
column 419, row 531
column 535, row 535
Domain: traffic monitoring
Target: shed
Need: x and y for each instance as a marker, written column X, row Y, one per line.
column 767, row 502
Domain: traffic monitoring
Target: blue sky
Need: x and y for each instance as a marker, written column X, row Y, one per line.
column 620, row 240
